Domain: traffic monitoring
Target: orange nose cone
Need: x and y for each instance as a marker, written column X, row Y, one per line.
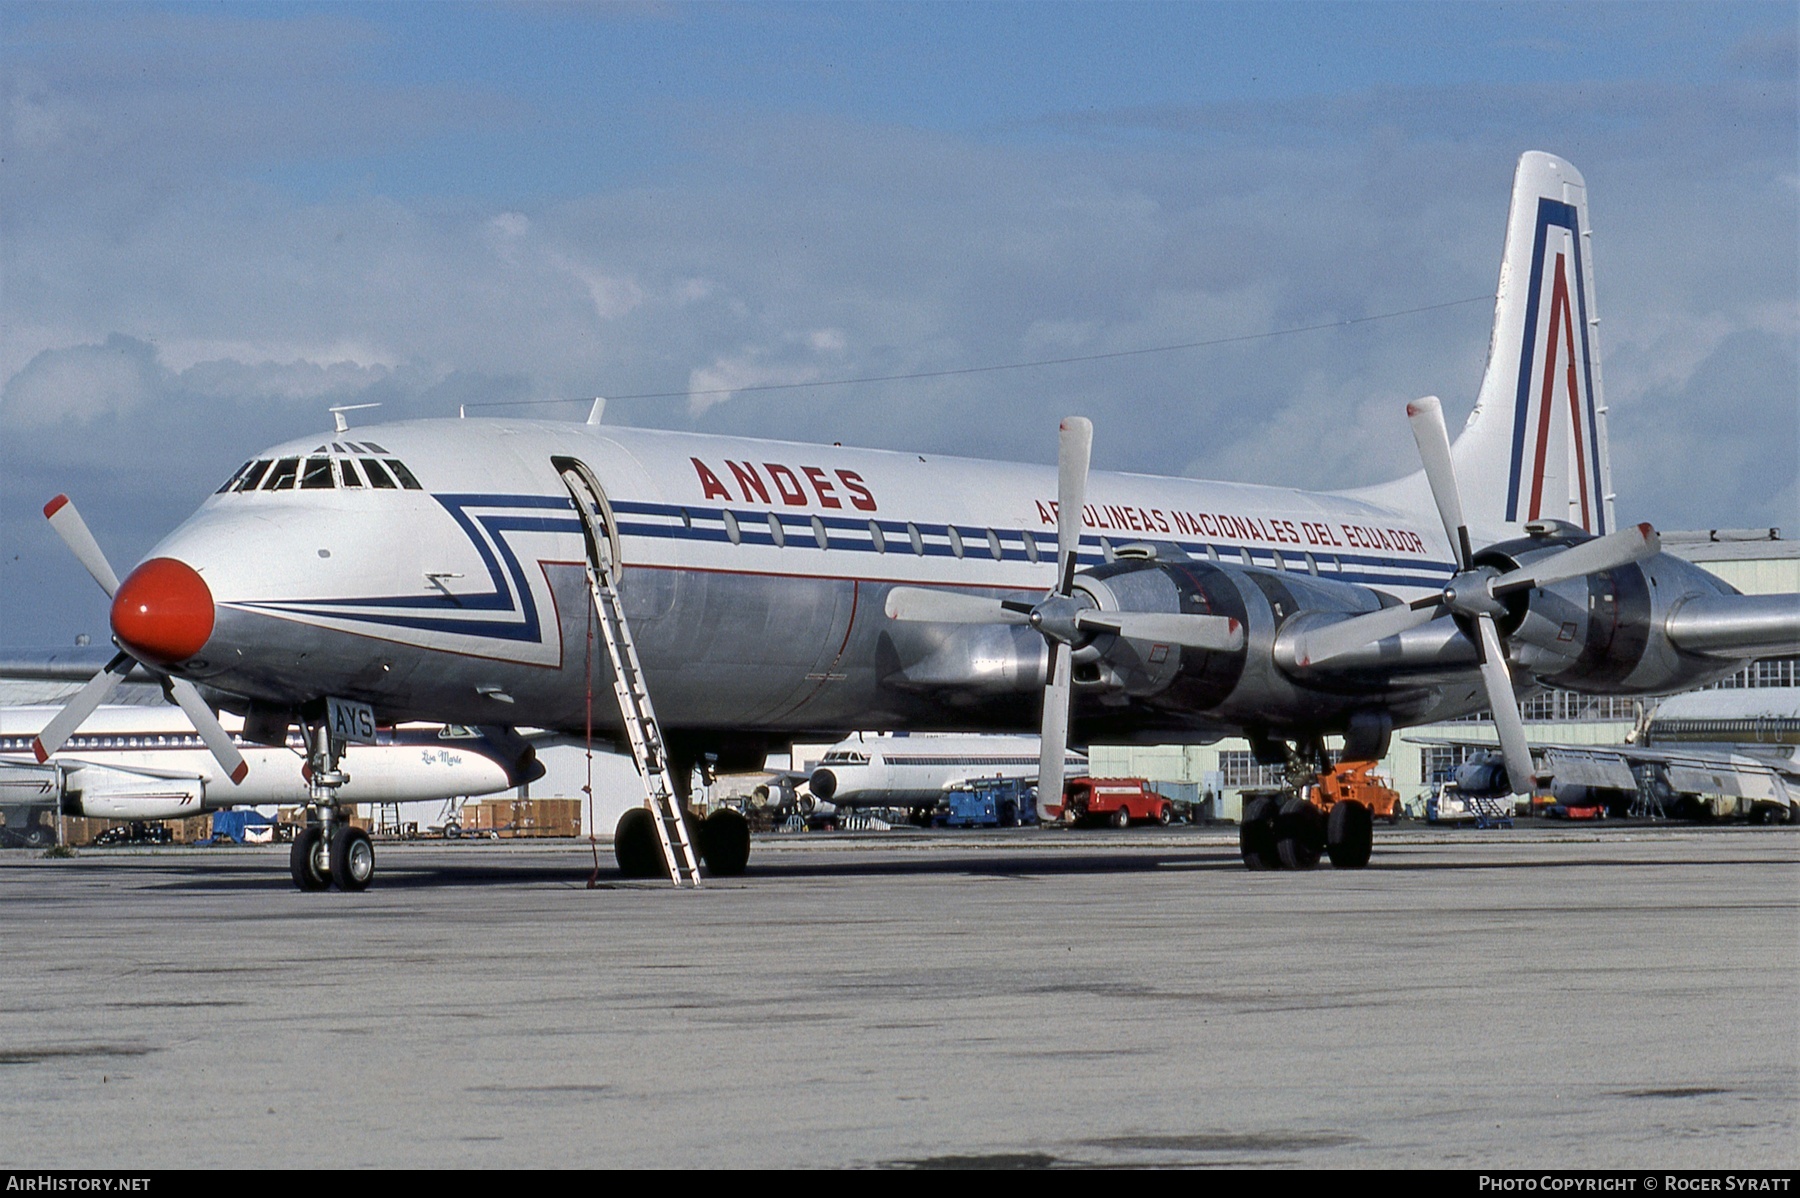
column 163, row 612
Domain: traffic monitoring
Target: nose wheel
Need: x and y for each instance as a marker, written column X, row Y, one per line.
column 342, row 857
column 310, row 871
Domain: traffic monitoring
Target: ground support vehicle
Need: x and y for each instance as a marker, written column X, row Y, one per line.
column 1451, row 804
column 1331, row 815
column 1118, row 801
column 986, row 803
column 1356, row 781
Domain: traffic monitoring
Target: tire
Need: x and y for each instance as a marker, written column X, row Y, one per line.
column 38, row 836
column 1162, row 815
column 726, row 835
column 635, row 846
column 352, row 858
column 1121, row 817
column 1256, row 835
column 1349, row 834
column 1299, row 834
column 303, row 858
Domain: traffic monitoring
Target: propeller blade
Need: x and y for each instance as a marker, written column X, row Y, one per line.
column 1427, row 419
column 920, row 604
column 211, row 731
column 98, row 689
column 1053, row 743
column 74, row 533
column 1189, row 629
column 1317, row 645
column 1505, row 708
column 1074, row 449
column 1590, row 557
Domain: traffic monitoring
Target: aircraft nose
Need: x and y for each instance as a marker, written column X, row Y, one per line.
column 163, row 611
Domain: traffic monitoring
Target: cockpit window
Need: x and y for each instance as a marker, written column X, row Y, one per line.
column 253, row 475
column 403, row 474
column 282, row 477
column 226, row 485
column 321, row 470
column 318, row 476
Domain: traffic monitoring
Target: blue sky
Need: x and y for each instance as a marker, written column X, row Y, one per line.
column 217, row 220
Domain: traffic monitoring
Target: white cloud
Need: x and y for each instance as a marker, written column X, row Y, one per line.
column 81, row 384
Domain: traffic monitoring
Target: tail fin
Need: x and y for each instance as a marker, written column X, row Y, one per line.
column 1535, row 445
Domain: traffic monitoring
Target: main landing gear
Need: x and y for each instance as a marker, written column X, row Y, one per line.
column 722, row 840
column 1294, row 833
column 1325, row 810
column 329, row 851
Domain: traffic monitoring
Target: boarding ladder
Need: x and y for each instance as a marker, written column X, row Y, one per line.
column 641, row 728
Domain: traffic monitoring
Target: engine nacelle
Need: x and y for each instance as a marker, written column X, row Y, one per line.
column 110, row 794
column 1607, row 632
column 1240, row 687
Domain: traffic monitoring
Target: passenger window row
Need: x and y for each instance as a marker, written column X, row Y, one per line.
column 779, row 530
column 949, row 540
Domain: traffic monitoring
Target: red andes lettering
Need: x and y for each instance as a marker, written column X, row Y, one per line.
column 710, row 486
column 786, row 482
column 821, row 486
column 860, row 496
column 1162, row 525
column 1045, row 515
column 748, row 479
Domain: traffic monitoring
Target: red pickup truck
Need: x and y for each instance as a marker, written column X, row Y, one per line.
column 1116, row 800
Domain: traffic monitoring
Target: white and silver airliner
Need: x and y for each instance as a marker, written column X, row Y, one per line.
column 869, row 770
column 435, row 570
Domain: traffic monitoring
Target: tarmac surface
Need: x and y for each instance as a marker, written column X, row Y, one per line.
column 1551, row 997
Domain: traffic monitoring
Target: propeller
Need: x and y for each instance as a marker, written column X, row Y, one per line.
column 1074, row 449
column 1060, row 617
column 161, row 614
column 1476, row 594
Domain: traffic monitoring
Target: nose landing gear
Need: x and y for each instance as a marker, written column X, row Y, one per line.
column 329, row 851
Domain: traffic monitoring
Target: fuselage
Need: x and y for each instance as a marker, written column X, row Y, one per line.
column 754, row 571
column 435, row 569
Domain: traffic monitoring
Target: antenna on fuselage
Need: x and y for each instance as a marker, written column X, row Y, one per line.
column 339, row 424
column 598, row 410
